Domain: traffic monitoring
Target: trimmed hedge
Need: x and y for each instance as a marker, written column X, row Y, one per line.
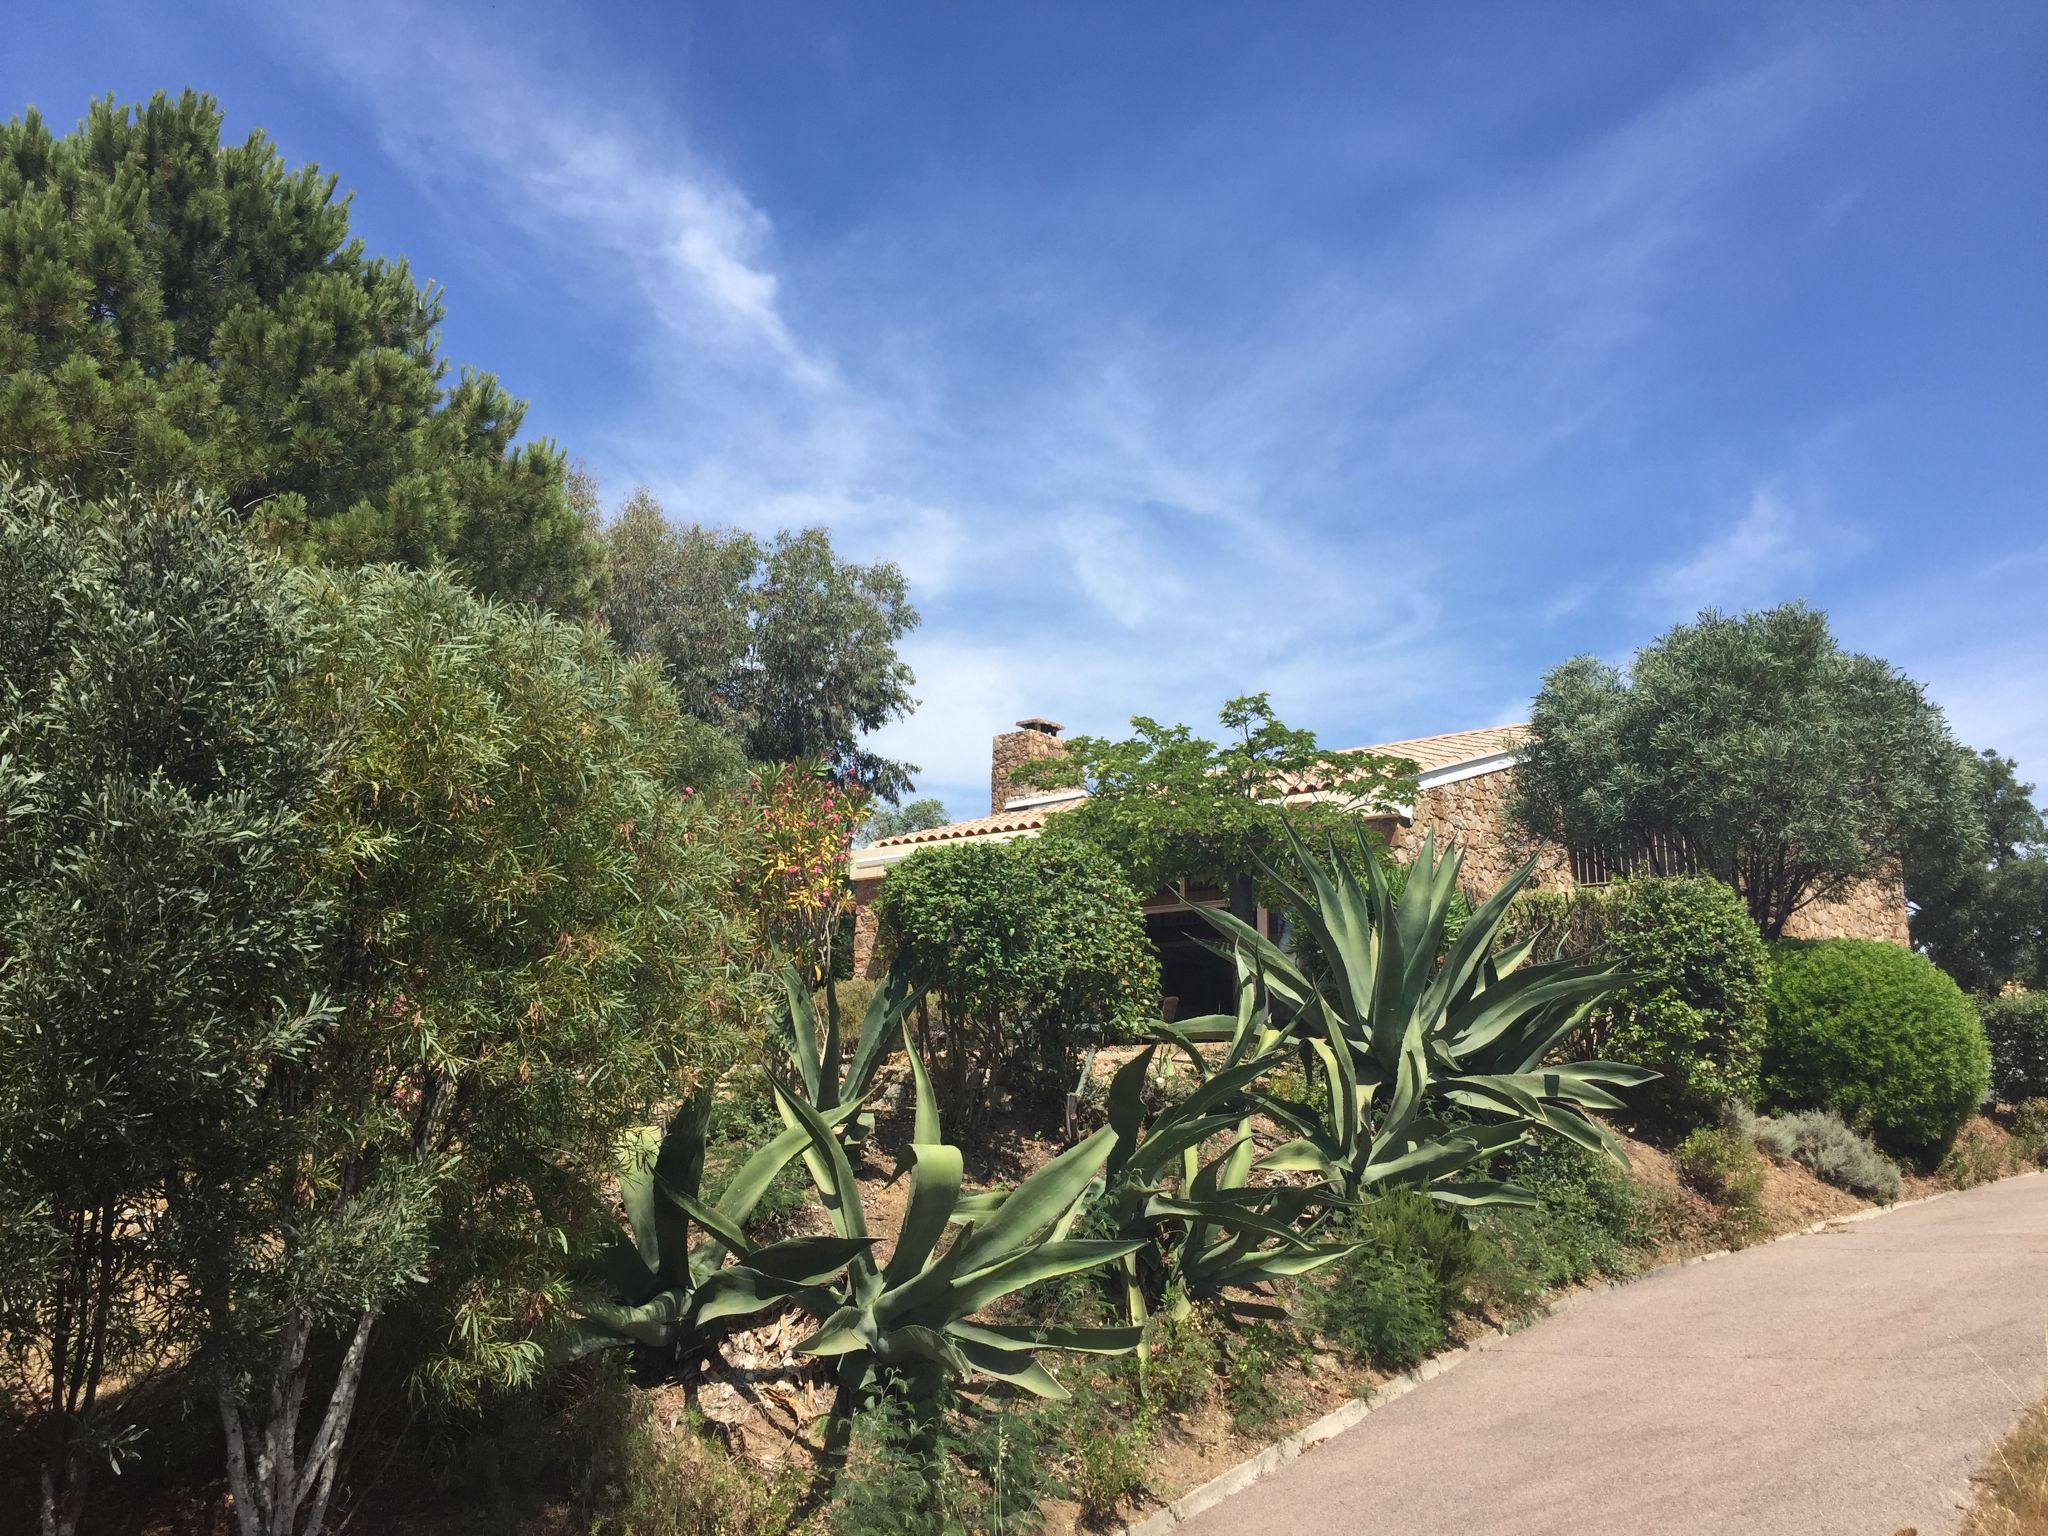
column 1030, row 951
column 1697, row 1015
column 1879, row 1035
column 2017, row 1028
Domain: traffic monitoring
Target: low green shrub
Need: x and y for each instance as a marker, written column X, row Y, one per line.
column 1879, row 1035
column 1253, row 1355
column 959, row 1474
column 1971, row 1161
column 2016, row 1028
column 1424, row 1234
column 1591, row 1220
column 645, row 1480
column 1382, row 1311
column 1182, row 1373
column 1725, row 1167
column 2029, row 1129
column 1818, row 1140
column 1109, row 1467
column 1392, row 1302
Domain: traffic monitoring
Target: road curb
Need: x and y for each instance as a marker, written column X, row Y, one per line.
column 1277, row 1455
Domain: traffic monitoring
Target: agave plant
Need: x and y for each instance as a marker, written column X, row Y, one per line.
column 1206, row 1231
column 665, row 1291
column 1415, row 1037
column 910, row 1322
column 815, row 1052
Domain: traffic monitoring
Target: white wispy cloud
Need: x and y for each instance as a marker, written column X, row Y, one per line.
column 1761, row 554
column 462, row 111
column 1105, row 509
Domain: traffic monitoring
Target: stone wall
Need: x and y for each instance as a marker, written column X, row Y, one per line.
column 866, row 925
column 1875, row 909
column 1473, row 813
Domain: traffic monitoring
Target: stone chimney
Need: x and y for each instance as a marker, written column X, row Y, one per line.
column 1033, row 738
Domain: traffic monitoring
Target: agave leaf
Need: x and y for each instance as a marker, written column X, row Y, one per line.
column 887, row 1013
column 934, row 1189
column 926, row 1131
column 1008, row 1366
column 1038, row 1202
column 1082, row 1341
column 826, row 1159
column 1046, row 1261
column 807, row 1260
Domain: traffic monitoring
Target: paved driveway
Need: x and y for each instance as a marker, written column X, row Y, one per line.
column 1846, row 1382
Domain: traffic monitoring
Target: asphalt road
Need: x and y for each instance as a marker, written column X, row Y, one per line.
column 1845, row 1382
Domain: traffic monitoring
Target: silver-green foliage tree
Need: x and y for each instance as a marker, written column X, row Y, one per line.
column 176, row 308
column 784, row 645
column 529, row 947
column 1753, row 748
column 158, row 927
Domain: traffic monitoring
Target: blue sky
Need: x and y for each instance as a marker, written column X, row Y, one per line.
column 1380, row 357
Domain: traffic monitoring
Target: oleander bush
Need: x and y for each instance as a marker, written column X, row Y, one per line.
column 1879, row 1035
column 2016, row 1028
column 1819, row 1140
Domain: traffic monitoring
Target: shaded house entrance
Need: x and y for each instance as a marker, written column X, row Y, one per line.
column 1193, row 979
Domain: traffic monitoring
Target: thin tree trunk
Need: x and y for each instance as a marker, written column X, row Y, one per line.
column 283, row 1493
column 1243, row 900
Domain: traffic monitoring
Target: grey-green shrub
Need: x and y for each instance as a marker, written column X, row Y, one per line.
column 1879, row 1035
column 2016, row 1027
column 1819, row 1140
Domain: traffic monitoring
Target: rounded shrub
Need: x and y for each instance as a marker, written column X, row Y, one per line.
column 2017, row 1027
column 1879, row 1035
column 1697, row 1013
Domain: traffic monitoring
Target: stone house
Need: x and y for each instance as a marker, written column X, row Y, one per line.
column 1461, row 795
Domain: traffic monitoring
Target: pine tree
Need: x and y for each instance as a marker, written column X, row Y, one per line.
column 173, row 308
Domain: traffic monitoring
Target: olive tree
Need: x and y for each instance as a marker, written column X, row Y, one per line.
column 159, row 921
column 1754, row 748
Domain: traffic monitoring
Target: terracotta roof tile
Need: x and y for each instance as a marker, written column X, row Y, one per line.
column 1428, row 753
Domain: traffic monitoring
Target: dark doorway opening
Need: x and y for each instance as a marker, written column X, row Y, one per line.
column 1193, row 979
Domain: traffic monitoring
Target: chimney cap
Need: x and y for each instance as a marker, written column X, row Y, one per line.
column 1040, row 724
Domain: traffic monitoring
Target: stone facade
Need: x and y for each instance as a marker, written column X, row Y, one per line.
column 1031, row 740
column 1473, row 813
column 1876, row 909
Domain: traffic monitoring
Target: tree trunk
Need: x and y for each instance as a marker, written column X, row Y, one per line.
column 278, row 1492
column 1244, row 904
